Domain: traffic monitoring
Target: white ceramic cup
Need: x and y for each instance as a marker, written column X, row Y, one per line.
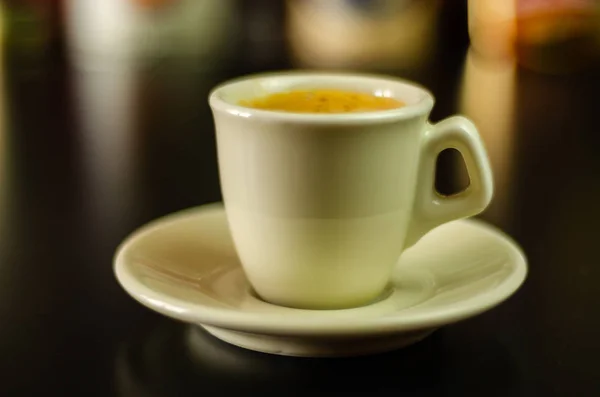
column 321, row 206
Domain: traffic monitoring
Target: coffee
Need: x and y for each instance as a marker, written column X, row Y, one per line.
column 323, row 101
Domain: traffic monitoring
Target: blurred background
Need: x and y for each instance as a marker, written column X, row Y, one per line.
column 104, row 125
column 115, row 77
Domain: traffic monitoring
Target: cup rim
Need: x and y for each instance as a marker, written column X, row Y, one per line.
column 421, row 107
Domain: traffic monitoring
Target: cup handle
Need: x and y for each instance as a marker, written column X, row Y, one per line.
column 431, row 208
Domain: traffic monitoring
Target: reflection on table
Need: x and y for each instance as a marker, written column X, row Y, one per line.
column 172, row 359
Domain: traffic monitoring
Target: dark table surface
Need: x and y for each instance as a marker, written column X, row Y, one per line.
column 94, row 144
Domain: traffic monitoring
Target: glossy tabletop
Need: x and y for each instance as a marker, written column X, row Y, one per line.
column 99, row 137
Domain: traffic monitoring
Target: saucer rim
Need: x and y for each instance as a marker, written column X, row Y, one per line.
column 284, row 325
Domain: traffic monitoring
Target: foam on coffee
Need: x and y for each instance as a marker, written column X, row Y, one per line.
column 323, row 101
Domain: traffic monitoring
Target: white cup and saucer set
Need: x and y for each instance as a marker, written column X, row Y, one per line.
column 331, row 239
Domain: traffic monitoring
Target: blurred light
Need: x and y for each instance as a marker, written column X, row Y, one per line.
column 383, row 93
column 548, row 36
column 373, row 34
column 488, row 98
column 492, row 27
column 188, row 33
column 240, row 113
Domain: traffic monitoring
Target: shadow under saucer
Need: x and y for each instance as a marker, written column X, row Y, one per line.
column 185, row 266
column 172, row 359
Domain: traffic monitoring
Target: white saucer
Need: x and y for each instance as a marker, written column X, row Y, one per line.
column 185, row 267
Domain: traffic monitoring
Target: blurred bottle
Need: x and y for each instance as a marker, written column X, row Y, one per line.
column 190, row 33
column 487, row 96
column 373, row 34
column 551, row 36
